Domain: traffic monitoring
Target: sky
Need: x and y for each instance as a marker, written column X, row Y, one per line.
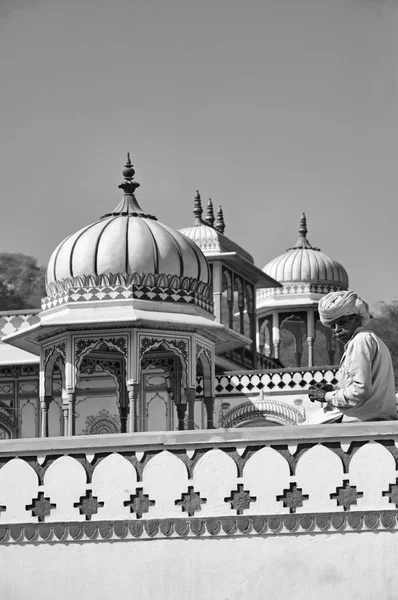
column 269, row 107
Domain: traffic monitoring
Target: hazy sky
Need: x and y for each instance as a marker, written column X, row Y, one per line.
column 270, row 107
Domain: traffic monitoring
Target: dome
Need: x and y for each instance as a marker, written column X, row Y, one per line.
column 304, row 268
column 126, row 247
column 127, row 241
column 209, row 236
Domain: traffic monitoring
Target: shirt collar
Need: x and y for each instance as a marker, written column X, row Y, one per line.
column 357, row 330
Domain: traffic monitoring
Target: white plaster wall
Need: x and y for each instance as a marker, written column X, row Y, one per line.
column 350, row 567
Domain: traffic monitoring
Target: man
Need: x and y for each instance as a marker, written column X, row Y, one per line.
column 366, row 388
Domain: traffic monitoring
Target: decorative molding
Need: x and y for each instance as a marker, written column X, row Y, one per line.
column 264, row 408
column 180, row 345
column 88, row 505
column 134, row 286
column 139, row 503
column 301, row 287
column 102, row 423
column 59, row 347
column 83, row 344
column 190, row 502
column 240, row 499
column 221, row 527
column 240, row 459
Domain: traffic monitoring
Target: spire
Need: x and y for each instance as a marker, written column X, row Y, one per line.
column 128, row 185
column 302, row 241
column 128, row 205
column 303, row 226
column 220, row 224
column 210, row 213
column 197, row 208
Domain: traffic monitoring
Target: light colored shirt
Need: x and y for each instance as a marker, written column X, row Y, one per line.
column 366, row 389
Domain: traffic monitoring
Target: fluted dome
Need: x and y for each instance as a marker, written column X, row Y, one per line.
column 127, row 241
column 209, row 235
column 307, row 269
column 126, row 248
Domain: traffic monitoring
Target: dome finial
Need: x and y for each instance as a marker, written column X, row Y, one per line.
column 303, row 226
column 197, row 208
column 303, row 241
column 128, row 205
column 128, row 185
column 210, row 213
column 220, row 224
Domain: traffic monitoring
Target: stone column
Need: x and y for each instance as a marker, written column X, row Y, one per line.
column 44, row 405
column 209, row 405
column 65, row 411
column 181, row 410
column 310, row 336
column 275, row 334
column 190, row 396
column 71, row 412
column 123, row 419
column 217, row 289
column 133, row 393
column 330, row 345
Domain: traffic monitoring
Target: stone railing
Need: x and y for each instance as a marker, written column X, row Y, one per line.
column 15, row 320
column 288, row 381
column 299, row 487
column 220, row 483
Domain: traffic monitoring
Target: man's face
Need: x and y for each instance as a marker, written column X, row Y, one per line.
column 344, row 327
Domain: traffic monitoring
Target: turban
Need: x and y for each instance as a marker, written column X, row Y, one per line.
column 338, row 304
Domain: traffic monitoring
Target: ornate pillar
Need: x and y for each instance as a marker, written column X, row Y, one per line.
column 123, row 419
column 209, row 405
column 133, row 393
column 330, row 345
column 190, row 396
column 44, row 404
column 71, row 411
column 65, row 411
column 310, row 336
column 275, row 333
column 230, row 298
column 170, row 407
column 217, row 289
column 181, row 410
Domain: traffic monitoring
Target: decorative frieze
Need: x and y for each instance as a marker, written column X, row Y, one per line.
column 149, row 342
column 83, row 344
column 136, row 286
column 220, row 527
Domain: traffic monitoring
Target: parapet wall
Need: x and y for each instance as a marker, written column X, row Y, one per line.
column 296, row 493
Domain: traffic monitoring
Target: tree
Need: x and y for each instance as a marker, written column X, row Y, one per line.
column 385, row 325
column 22, row 282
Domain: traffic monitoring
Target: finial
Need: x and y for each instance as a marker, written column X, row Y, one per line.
column 197, row 208
column 303, row 226
column 220, row 224
column 210, row 213
column 303, row 241
column 128, row 205
column 128, row 185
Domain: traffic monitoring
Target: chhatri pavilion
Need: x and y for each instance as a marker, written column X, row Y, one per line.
column 146, row 328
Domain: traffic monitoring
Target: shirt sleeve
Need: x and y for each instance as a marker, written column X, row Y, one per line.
column 357, row 384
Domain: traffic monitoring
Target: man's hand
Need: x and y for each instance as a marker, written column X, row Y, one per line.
column 318, row 392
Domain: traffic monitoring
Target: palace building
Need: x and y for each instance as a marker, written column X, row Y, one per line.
column 146, row 328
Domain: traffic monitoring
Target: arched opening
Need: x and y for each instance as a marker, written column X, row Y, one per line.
column 101, row 396
column 163, row 378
